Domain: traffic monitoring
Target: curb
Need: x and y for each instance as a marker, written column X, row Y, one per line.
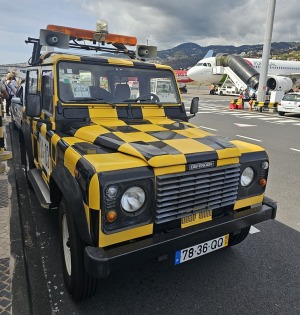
column 15, row 299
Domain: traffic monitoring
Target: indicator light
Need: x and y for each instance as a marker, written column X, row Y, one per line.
column 111, row 216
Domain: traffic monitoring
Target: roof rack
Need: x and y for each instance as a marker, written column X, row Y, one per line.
column 67, row 37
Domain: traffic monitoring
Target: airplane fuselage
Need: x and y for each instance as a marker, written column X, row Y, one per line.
column 181, row 76
column 276, row 67
column 203, row 71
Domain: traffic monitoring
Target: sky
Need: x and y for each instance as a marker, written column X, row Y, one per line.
column 162, row 23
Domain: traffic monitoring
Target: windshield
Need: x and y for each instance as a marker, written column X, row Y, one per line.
column 292, row 97
column 101, row 83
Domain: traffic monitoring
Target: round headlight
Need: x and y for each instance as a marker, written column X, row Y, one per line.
column 247, row 176
column 265, row 165
column 133, row 199
column 111, row 191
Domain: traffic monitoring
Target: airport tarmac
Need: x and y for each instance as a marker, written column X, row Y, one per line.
column 13, row 266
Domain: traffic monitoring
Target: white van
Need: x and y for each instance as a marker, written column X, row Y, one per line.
column 227, row 90
column 163, row 88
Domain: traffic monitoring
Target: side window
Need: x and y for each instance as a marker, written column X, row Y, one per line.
column 32, row 82
column 20, row 92
column 47, row 90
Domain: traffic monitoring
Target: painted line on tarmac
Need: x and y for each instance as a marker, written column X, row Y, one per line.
column 246, row 116
column 289, row 120
column 253, row 139
column 269, row 118
column 207, row 128
column 254, row 116
column 200, row 112
column 244, row 125
column 297, row 150
column 239, row 114
column 253, row 230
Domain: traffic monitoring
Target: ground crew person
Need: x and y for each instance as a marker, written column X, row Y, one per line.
column 3, row 94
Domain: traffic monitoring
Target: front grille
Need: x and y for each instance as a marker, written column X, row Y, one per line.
column 194, row 191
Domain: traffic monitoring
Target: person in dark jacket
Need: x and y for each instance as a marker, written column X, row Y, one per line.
column 12, row 87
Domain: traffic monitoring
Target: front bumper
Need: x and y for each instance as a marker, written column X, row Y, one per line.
column 100, row 263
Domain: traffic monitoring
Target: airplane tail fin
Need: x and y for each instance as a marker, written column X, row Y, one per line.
column 209, row 54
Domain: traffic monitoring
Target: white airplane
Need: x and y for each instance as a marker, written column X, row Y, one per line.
column 282, row 74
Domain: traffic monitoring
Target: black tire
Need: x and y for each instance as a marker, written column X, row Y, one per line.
column 236, row 238
column 27, row 161
column 79, row 283
column 281, row 113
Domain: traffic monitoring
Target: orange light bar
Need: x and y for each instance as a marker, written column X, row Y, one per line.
column 89, row 35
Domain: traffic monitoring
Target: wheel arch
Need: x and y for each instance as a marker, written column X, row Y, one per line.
column 25, row 143
column 63, row 185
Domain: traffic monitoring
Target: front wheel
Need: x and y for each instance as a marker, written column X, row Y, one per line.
column 236, row 238
column 79, row 283
column 281, row 113
column 28, row 165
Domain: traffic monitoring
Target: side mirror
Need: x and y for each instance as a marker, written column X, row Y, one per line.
column 33, row 105
column 194, row 106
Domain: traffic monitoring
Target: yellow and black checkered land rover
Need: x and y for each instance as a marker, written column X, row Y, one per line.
column 107, row 142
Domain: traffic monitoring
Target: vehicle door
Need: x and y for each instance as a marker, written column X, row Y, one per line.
column 45, row 124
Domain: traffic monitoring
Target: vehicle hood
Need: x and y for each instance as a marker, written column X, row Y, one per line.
column 159, row 142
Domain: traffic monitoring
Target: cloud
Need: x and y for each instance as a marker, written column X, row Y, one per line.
column 165, row 23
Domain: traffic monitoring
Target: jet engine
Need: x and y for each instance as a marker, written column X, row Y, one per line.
column 279, row 83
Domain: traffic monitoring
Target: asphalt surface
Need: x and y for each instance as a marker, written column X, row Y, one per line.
column 258, row 276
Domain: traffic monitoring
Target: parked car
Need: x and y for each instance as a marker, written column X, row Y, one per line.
column 290, row 103
column 16, row 107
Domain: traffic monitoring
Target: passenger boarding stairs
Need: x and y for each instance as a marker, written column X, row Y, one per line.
column 234, row 78
column 237, row 81
column 238, row 70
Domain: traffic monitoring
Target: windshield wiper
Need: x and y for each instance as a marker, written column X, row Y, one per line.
column 143, row 100
column 91, row 100
column 130, row 100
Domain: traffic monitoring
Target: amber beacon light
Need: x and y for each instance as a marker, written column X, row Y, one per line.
column 101, row 34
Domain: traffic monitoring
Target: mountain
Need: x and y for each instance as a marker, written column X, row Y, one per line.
column 188, row 54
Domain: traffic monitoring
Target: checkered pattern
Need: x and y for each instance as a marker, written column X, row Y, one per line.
column 170, row 140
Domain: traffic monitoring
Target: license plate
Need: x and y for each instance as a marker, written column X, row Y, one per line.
column 201, row 249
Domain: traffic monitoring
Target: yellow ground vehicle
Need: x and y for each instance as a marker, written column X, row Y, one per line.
column 132, row 179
